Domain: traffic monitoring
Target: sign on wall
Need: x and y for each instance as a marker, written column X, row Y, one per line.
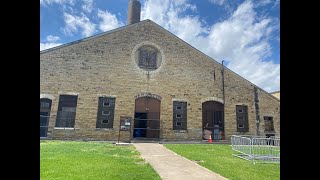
column 125, row 123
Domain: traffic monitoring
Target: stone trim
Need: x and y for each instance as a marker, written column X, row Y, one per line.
column 69, row 93
column 147, row 94
column 104, row 129
column 269, row 115
column 146, row 43
column 242, row 104
column 47, row 96
column 212, row 99
column 65, row 128
column 180, row 131
column 106, row 95
column 180, row 100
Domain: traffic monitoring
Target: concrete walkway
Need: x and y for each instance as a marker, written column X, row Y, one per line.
column 171, row 166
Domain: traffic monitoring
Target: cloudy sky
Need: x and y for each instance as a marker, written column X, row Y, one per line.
column 243, row 33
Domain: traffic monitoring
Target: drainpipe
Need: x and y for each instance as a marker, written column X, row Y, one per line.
column 224, row 98
column 223, row 93
column 256, row 103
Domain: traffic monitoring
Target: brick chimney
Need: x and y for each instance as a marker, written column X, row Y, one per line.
column 134, row 10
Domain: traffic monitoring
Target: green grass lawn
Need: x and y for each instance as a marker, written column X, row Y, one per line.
column 91, row 160
column 219, row 159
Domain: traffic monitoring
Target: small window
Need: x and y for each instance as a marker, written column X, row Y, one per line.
column 179, row 115
column 66, row 114
column 105, row 112
column 242, row 118
column 105, row 121
column 268, row 123
column 44, row 105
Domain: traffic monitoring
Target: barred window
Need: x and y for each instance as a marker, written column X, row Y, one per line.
column 45, row 109
column 44, row 105
column 148, row 59
column 242, row 118
column 268, row 123
column 179, row 115
column 106, row 104
column 66, row 111
column 105, row 121
column 105, row 114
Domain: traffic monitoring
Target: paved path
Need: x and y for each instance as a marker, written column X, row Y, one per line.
column 171, row 166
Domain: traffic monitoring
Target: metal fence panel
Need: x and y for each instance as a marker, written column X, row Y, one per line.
column 257, row 149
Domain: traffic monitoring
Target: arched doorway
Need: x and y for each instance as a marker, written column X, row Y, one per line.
column 147, row 118
column 45, row 108
column 213, row 120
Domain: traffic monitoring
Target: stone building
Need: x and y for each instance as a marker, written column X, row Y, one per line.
column 162, row 87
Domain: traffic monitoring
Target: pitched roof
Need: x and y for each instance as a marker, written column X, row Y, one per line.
column 166, row 31
column 275, row 92
column 95, row 36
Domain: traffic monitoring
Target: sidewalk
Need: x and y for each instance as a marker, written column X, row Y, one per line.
column 171, row 166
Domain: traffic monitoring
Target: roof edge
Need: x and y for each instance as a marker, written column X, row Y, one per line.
column 215, row 61
column 173, row 35
column 275, row 92
column 92, row 37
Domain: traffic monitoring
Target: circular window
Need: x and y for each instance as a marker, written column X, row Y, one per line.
column 148, row 57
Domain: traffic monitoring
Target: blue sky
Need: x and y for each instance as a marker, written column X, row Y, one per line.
column 243, row 33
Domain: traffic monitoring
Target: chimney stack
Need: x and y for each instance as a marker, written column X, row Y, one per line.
column 134, row 9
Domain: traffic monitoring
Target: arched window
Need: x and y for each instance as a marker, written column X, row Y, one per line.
column 45, row 109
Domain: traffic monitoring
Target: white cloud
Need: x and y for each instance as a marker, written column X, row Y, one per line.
column 242, row 39
column 218, row 2
column 49, row 2
column 276, row 3
column 52, row 38
column 73, row 23
column 167, row 13
column 87, row 6
column 44, row 46
column 108, row 21
column 263, row 2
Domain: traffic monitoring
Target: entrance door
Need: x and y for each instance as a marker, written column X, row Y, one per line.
column 147, row 118
column 213, row 120
column 140, row 125
column 45, row 108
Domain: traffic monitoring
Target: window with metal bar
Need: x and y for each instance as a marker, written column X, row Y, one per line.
column 179, row 115
column 66, row 111
column 105, row 114
column 242, row 118
column 268, row 123
column 45, row 109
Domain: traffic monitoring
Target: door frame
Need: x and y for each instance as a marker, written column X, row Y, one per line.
column 151, row 105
